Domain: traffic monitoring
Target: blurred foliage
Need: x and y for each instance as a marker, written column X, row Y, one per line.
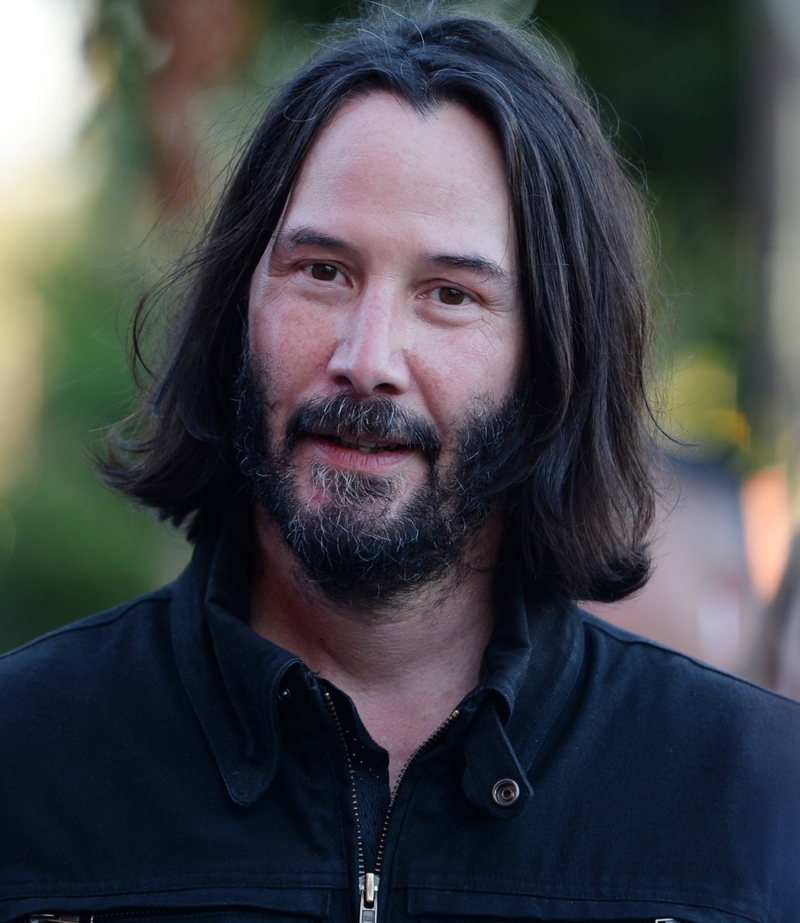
column 73, row 547
column 666, row 74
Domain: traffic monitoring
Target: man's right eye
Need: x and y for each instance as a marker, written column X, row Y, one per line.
column 322, row 272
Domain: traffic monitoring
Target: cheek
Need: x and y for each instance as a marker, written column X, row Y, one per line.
column 503, row 371
column 504, row 359
column 485, row 363
column 295, row 344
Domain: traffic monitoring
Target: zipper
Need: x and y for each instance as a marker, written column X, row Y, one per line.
column 119, row 914
column 368, row 882
column 196, row 913
column 105, row 915
column 59, row 918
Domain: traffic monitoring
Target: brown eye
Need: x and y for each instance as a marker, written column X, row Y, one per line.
column 452, row 296
column 323, row 272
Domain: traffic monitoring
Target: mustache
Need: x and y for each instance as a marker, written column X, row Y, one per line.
column 377, row 417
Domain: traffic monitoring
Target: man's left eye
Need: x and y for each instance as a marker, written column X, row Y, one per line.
column 323, row 272
column 452, row 296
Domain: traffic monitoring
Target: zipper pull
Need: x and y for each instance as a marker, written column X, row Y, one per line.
column 368, row 906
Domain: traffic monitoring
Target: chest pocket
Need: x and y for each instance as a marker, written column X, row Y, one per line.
column 278, row 906
column 434, row 906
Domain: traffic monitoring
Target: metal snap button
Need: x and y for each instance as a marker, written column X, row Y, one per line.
column 505, row 792
column 285, row 695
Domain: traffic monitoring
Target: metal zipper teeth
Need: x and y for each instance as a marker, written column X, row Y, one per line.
column 428, row 742
column 334, row 714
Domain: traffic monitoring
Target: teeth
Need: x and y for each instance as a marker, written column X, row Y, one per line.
column 365, row 445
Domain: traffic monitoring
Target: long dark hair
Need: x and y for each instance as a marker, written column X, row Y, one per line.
column 576, row 483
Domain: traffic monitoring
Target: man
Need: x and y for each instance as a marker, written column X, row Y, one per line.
column 401, row 414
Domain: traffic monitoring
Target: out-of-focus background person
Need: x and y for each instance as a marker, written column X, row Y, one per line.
column 117, row 117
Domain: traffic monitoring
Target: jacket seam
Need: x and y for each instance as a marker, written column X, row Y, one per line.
column 93, row 622
column 633, row 640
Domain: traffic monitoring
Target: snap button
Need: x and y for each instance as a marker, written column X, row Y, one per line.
column 285, row 695
column 505, row 792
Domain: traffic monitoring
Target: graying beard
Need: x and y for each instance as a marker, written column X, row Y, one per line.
column 351, row 516
column 352, row 488
column 359, row 545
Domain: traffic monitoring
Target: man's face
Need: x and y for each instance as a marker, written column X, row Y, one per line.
column 386, row 313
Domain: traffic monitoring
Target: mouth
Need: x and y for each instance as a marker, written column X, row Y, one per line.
column 363, row 444
column 377, row 431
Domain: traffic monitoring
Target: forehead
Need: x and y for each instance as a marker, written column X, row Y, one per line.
column 384, row 121
column 443, row 170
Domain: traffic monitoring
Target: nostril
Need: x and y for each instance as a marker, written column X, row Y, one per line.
column 369, row 372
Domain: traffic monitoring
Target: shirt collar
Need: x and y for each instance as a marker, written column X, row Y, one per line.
column 233, row 676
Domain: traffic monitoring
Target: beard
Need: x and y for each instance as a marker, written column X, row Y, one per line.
column 360, row 541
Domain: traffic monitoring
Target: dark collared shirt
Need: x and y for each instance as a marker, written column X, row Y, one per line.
column 164, row 759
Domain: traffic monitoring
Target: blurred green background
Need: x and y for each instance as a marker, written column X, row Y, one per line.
column 176, row 83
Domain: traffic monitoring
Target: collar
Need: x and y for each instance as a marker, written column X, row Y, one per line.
column 231, row 674
column 532, row 664
column 233, row 678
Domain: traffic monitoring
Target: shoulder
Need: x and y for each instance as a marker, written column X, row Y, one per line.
column 678, row 695
column 619, row 660
column 83, row 646
column 706, row 752
column 661, row 767
column 60, row 690
column 88, row 704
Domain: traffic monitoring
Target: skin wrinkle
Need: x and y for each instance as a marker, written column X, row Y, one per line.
column 303, row 236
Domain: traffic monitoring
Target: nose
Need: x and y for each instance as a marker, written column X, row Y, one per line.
column 370, row 355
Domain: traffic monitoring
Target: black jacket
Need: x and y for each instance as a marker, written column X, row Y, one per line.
column 163, row 758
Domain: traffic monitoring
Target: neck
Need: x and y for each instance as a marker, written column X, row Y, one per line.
column 405, row 667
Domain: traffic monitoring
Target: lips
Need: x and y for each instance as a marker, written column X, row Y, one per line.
column 363, row 444
column 375, row 426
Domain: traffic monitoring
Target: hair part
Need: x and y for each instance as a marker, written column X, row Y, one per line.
column 576, row 480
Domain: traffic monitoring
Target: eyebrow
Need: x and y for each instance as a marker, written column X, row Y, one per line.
column 307, row 236
column 473, row 262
